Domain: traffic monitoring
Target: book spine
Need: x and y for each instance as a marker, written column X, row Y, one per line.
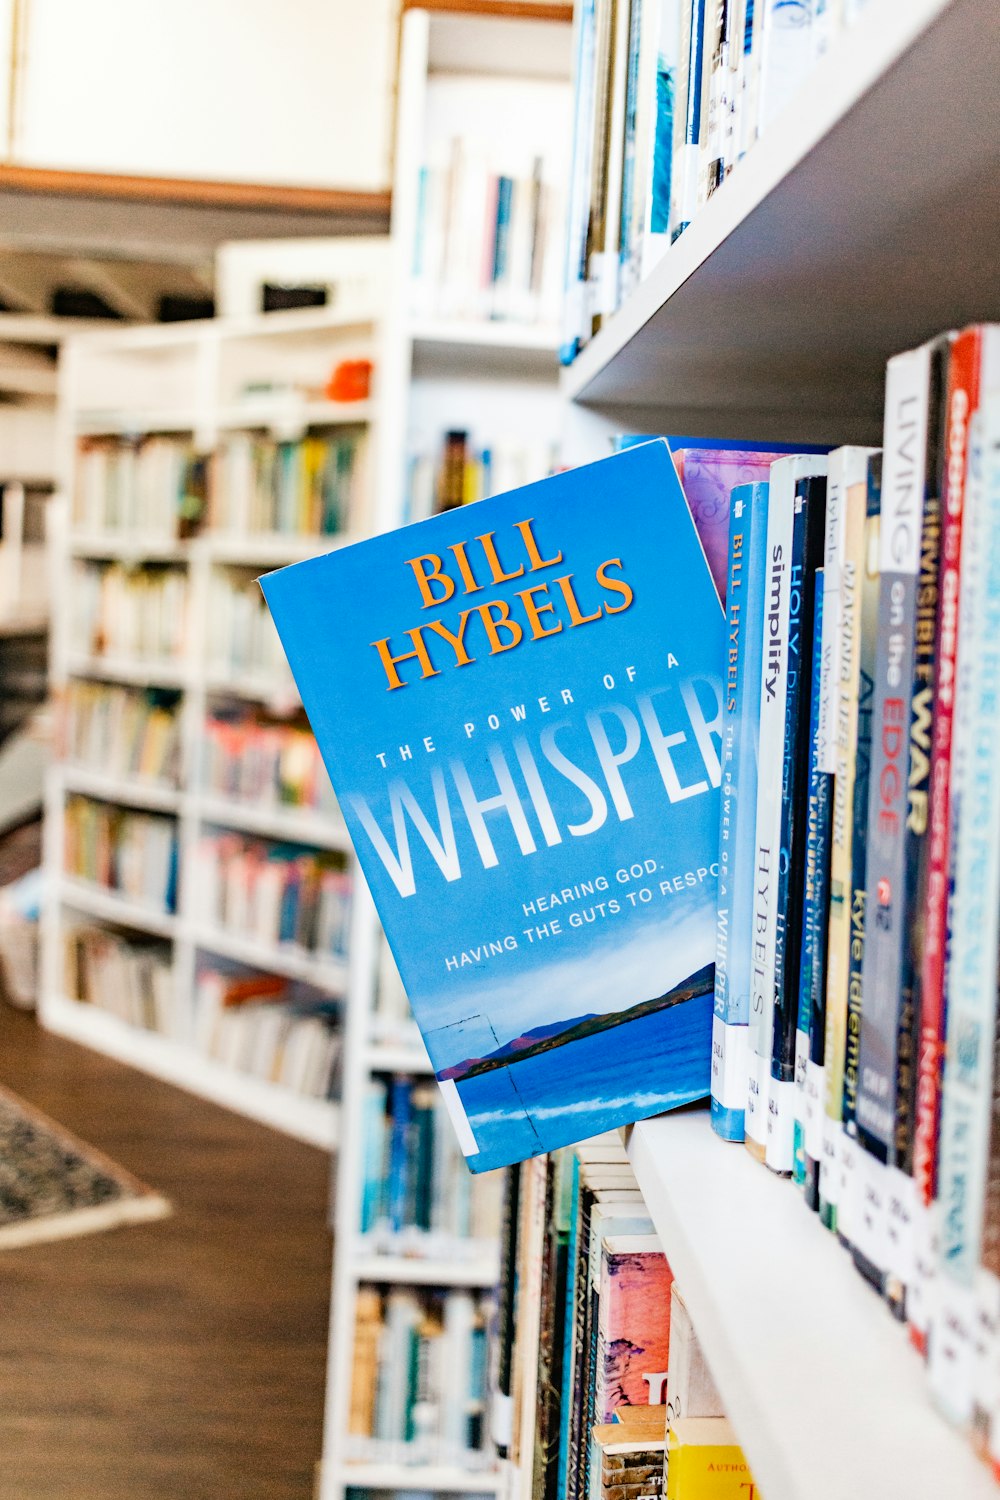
column 902, row 509
column 815, row 926
column 969, row 1093
column 963, row 396
column 849, row 1189
column 773, row 689
column 810, row 502
column 501, row 1411
column 684, row 175
column 728, row 1026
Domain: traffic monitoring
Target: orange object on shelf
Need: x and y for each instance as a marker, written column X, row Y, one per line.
column 351, row 381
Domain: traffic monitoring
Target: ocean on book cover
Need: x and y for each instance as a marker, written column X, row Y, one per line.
column 519, row 704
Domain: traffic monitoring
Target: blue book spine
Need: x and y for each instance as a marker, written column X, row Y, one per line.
column 810, row 1030
column 625, row 227
column 578, row 207
column 399, row 1153
column 373, row 1187
column 737, row 842
column 501, row 242
column 569, row 1327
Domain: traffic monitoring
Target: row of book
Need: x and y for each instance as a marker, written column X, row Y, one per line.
column 129, row 852
column 460, row 471
column 153, row 486
column 135, row 612
column 244, row 642
column 418, row 1391
column 600, row 1386
column 488, row 240
column 668, row 98
column 417, row 1195
column 127, row 732
column 859, row 891
column 131, row 977
column 273, row 893
column 312, row 486
column 270, row 763
column 269, row 1027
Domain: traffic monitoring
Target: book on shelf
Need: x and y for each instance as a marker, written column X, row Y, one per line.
column 129, row 976
column 706, row 1462
column 669, row 96
column 131, row 853
column 273, row 893
column 462, row 741
column 416, row 1196
column 140, row 613
column 312, row 486
column 244, row 644
column 152, row 487
column 250, row 758
column 124, row 732
column 460, row 470
column 267, row 1026
column 418, row 1389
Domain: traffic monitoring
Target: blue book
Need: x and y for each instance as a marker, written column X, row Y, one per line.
column 535, row 809
column 398, row 1185
column 811, row 1027
column 746, row 590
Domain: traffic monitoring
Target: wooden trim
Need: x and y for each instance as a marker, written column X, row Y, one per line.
column 524, row 10
column 193, row 191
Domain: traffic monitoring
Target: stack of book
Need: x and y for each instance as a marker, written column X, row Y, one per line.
column 129, row 976
column 154, row 486
column 859, row 895
column 312, row 486
column 418, row 1196
column 599, row 1372
column 419, row 1378
column 271, row 764
column 122, row 731
column 488, row 239
column 273, row 893
column 461, row 470
column 267, row 1026
column 244, row 643
column 130, row 852
column 669, row 97
column 139, row 613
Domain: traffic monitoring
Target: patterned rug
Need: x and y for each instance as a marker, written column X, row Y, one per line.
column 53, row 1186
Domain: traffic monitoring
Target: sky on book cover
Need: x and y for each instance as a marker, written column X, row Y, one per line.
column 519, row 705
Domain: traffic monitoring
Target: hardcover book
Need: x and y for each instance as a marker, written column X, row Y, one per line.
column 519, row 704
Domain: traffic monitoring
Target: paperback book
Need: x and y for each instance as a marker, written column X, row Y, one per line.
column 520, row 707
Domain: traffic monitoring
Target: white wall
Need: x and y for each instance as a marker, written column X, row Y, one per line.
column 270, row 91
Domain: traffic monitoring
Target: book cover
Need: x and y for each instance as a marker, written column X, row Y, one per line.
column 634, row 1323
column 809, row 529
column 705, row 1462
column 519, row 705
column 738, row 806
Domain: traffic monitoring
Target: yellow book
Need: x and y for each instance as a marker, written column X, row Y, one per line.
column 705, row 1462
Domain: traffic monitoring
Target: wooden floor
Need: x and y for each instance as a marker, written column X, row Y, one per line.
column 181, row 1360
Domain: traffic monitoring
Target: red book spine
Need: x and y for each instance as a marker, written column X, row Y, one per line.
column 962, row 400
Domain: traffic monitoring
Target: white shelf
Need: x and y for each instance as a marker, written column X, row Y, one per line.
column 315, row 1121
column 157, row 672
column 822, row 1386
column 116, row 423
column 294, row 824
column 134, row 547
column 274, row 958
column 270, row 550
column 389, row 1057
column 272, row 693
column 411, row 1270
column 109, row 906
column 859, row 225
column 127, row 790
column 439, row 1478
column 290, row 412
column 483, row 348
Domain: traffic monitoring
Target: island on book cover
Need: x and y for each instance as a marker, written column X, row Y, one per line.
column 519, row 703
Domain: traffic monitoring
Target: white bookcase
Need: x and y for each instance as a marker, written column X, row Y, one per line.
column 460, row 74
column 834, row 243
column 191, row 379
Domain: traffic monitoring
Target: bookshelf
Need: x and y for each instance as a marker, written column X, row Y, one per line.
column 491, row 376
column 775, row 311
column 203, row 385
column 830, row 246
